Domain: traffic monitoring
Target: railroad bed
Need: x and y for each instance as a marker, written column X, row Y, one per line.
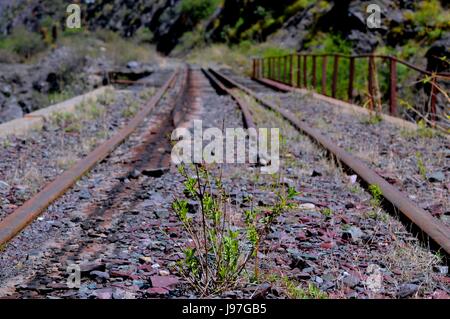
column 117, row 223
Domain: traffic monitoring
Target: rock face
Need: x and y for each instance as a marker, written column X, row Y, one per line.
column 289, row 22
column 24, row 87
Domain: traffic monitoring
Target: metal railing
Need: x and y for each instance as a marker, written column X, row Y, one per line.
column 363, row 71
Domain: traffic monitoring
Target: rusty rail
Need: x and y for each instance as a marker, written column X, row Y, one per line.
column 12, row 224
column 434, row 230
column 308, row 78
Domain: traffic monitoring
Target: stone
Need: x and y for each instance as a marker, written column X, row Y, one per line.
column 4, row 188
column 307, row 206
column 87, row 267
column 354, row 233
column 443, row 270
column 350, row 280
column 167, row 282
column 164, row 273
column 316, row 173
column 193, row 206
column 10, row 112
column 155, row 172
column 145, row 260
column 157, row 291
column 84, row 194
column 105, row 293
column 134, row 174
column 407, row 290
column 261, row 291
column 287, row 182
column 436, row 177
column 138, row 283
column 349, row 205
column 162, row 214
column 100, row 276
column 6, row 90
column 133, row 65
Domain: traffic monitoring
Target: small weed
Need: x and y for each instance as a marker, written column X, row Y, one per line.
column 373, row 119
column 420, row 165
column 220, row 251
column 423, row 130
column 6, row 143
column 107, row 98
column 102, row 134
column 376, row 193
column 355, row 189
column 372, row 214
column 147, row 93
column 66, row 162
column 57, row 97
column 294, row 290
column 73, row 128
column 65, row 120
column 327, row 212
column 131, row 109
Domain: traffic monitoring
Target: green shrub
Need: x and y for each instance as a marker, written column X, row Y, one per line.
column 23, row 43
column 198, row 9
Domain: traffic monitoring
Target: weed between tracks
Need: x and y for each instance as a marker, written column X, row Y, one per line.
column 223, row 239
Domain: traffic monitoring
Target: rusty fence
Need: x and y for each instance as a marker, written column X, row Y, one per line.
column 379, row 82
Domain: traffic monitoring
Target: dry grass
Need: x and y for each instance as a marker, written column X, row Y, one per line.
column 411, row 261
column 66, row 161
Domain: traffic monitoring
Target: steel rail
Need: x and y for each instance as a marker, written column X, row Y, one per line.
column 248, row 118
column 436, row 231
column 15, row 222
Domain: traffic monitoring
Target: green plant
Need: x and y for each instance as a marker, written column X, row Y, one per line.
column 198, row 9
column 22, row 42
column 373, row 119
column 295, row 291
column 57, row 97
column 6, row 143
column 423, row 130
column 420, row 165
column 376, row 193
column 67, row 121
column 222, row 249
column 327, row 212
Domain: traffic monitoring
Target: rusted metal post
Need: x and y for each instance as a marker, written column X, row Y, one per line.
column 262, row 67
column 335, row 76
column 324, row 75
column 314, row 71
column 299, row 78
column 350, row 79
column 285, row 69
column 370, row 82
column 279, row 68
column 257, row 68
column 254, row 68
column 305, row 79
column 433, row 100
column 393, row 87
column 273, row 68
column 291, row 65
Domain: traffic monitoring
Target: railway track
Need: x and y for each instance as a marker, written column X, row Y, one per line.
column 125, row 238
column 437, row 232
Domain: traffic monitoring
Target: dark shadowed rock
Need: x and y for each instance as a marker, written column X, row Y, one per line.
column 407, row 290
